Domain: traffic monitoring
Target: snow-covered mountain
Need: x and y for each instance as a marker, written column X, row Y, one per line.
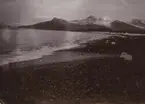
column 93, row 20
column 88, row 20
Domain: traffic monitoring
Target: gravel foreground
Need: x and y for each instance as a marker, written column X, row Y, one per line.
column 88, row 81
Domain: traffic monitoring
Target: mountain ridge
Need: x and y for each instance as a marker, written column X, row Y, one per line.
column 90, row 23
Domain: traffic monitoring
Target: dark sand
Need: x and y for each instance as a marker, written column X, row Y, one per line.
column 81, row 81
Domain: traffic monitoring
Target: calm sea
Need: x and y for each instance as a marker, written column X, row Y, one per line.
column 28, row 44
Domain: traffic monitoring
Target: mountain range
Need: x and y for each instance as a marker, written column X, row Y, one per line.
column 91, row 23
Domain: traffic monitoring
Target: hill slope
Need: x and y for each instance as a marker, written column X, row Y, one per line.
column 60, row 24
column 88, row 24
column 119, row 26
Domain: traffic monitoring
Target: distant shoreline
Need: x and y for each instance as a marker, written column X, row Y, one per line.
column 118, row 32
column 112, row 32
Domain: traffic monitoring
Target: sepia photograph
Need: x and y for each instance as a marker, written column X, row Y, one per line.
column 72, row 52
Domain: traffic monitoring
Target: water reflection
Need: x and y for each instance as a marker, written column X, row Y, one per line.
column 7, row 41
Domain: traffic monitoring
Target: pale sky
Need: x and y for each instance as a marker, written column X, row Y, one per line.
column 31, row 11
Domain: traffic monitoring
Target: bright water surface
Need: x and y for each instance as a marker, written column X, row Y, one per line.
column 28, row 44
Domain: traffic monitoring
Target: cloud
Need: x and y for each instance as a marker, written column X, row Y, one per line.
column 124, row 2
column 9, row 11
column 68, row 9
column 27, row 10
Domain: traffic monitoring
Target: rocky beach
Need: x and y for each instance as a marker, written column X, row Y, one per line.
column 109, row 78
